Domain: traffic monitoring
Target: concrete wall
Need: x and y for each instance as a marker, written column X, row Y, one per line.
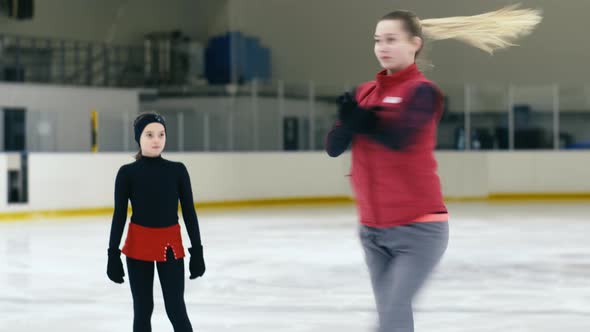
column 119, row 21
column 330, row 42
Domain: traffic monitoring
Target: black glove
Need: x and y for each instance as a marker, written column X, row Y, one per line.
column 115, row 266
column 355, row 118
column 197, row 262
column 346, row 104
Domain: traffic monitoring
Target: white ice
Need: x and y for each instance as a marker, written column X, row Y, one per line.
column 509, row 267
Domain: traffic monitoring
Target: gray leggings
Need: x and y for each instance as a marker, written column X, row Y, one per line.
column 400, row 259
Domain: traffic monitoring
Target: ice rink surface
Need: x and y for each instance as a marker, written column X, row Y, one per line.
column 509, row 267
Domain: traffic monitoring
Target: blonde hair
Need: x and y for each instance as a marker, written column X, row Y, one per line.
column 489, row 31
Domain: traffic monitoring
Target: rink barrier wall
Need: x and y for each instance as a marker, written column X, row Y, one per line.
column 305, row 201
column 238, row 180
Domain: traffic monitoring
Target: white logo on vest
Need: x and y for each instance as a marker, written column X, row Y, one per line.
column 392, row 100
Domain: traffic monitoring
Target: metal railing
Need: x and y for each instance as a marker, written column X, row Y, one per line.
column 280, row 116
column 68, row 62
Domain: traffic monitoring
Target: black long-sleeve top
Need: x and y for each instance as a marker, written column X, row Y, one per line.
column 154, row 186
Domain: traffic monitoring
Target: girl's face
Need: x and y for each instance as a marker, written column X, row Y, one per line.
column 394, row 47
column 153, row 140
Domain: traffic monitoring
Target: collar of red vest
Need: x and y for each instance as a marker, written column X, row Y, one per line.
column 385, row 80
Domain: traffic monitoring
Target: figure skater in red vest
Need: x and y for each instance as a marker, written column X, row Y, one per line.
column 391, row 124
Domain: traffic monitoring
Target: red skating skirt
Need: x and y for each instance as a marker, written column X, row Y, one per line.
column 151, row 243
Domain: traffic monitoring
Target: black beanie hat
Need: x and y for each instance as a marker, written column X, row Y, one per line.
column 143, row 120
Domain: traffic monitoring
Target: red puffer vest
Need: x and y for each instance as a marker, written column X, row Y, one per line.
column 396, row 187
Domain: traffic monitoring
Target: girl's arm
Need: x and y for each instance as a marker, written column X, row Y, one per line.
column 188, row 208
column 121, row 203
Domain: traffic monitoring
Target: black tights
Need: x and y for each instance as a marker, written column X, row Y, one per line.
column 141, row 279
